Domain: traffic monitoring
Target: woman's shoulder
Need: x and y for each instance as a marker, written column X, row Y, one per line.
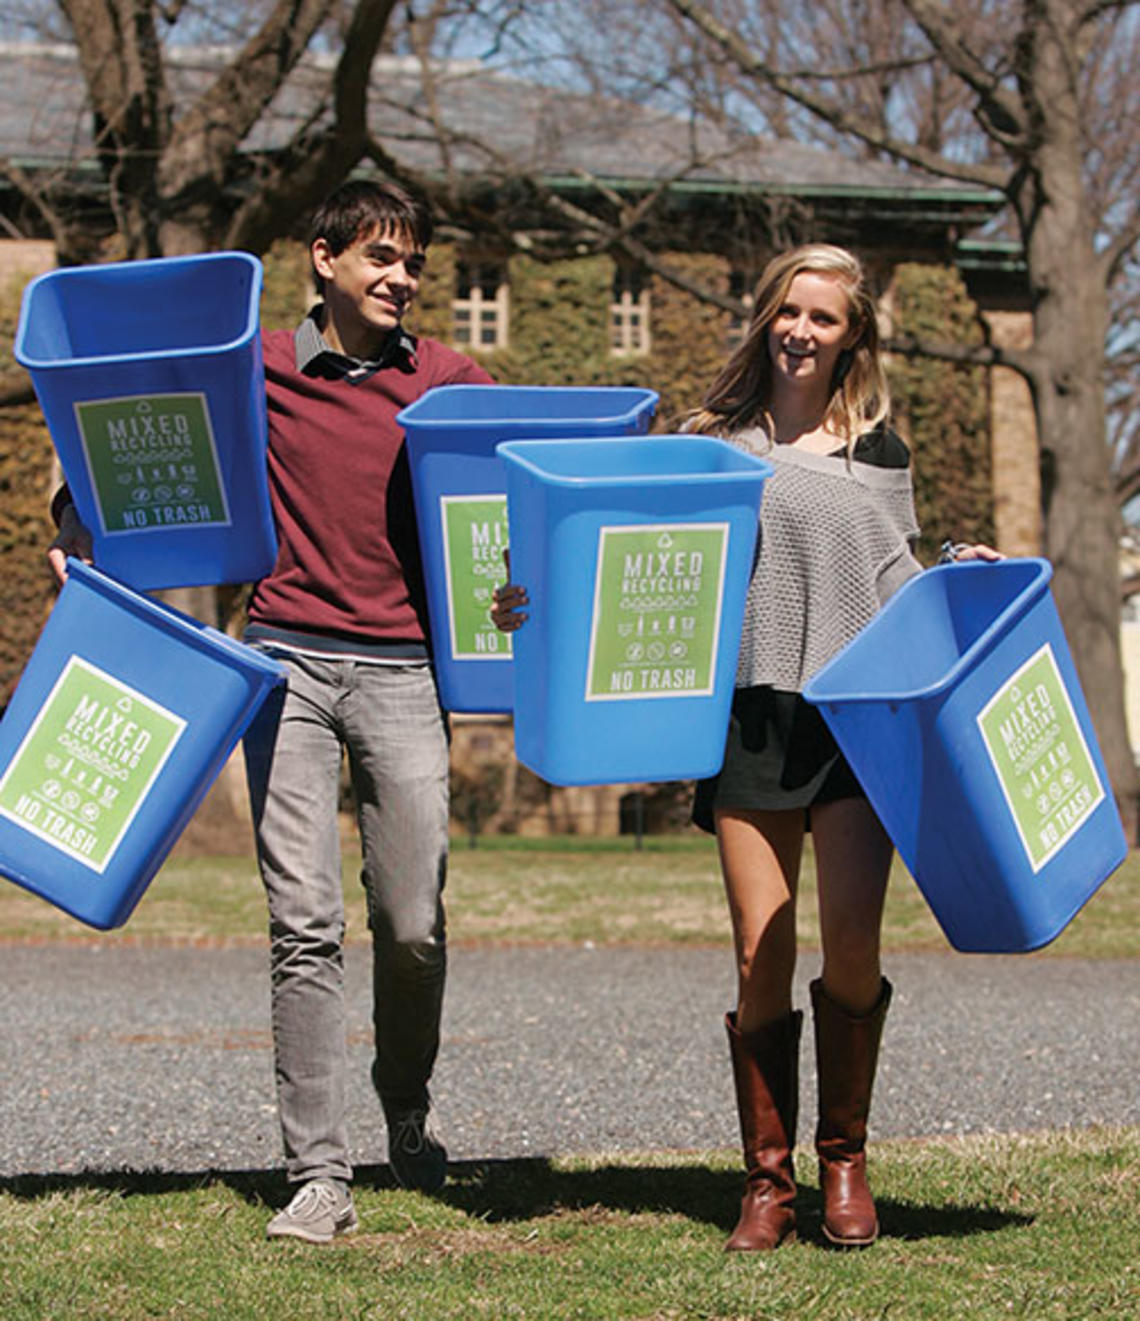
column 883, row 448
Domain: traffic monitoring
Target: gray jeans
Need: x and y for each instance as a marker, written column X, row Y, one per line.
column 389, row 720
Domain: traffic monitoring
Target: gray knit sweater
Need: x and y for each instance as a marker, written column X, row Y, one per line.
column 836, row 540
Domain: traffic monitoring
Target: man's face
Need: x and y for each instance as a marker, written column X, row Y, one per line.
column 368, row 287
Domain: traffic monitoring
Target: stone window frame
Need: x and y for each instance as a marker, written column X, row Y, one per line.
column 481, row 305
column 630, row 313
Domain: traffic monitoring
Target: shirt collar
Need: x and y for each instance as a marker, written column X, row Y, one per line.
column 316, row 358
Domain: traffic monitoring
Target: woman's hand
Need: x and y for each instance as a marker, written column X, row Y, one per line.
column 979, row 552
column 73, row 538
column 960, row 551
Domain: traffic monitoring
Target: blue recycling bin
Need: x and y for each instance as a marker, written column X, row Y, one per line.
column 960, row 710
column 636, row 555
column 150, row 377
column 123, row 717
column 459, row 488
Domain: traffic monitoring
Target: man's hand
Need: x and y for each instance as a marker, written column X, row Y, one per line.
column 73, row 538
column 508, row 601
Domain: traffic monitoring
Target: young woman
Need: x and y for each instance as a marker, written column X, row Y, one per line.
column 807, row 390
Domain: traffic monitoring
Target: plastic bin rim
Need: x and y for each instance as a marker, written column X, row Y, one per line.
column 32, row 363
column 968, row 659
column 754, row 470
column 644, row 397
column 192, row 631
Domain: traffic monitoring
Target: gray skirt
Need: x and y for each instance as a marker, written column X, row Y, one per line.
column 779, row 755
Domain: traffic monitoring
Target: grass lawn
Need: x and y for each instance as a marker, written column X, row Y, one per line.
column 1040, row 1228
column 551, row 891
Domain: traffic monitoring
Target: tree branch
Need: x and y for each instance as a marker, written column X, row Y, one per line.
column 1000, row 113
column 830, row 111
column 1023, row 361
column 1098, row 8
column 610, row 238
column 315, row 162
column 1128, row 483
column 606, row 236
column 121, row 56
column 872, row 69
column 1114, row 256
column 73, row 243
column 206, row 137
column 421, row 32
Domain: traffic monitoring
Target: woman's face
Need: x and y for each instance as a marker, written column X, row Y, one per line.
column 810, row 329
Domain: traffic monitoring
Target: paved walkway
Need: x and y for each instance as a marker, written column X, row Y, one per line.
column 129, row 1058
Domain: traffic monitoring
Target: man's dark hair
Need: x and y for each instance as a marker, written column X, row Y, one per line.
column 361, row 205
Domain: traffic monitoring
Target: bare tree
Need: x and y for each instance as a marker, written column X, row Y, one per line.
column 1048, row 86
column 1035, row 98
column 171, row 162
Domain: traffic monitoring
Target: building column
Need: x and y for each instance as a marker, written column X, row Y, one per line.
column 1015, row 454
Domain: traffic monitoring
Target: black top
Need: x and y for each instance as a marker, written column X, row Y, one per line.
column 881, row 448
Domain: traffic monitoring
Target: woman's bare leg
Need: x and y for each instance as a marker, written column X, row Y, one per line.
column 853, row 862
column 760, row 859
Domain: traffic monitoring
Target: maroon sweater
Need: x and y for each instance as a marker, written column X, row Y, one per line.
column 348, row 563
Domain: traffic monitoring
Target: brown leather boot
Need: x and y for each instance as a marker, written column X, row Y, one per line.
column 765, row 1065
column 847, row 1051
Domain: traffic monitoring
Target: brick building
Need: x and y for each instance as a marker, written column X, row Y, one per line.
column 724, row 207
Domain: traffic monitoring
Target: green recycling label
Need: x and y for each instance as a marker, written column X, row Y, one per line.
column 153, row 462
column 1039, row 753
column 474, row 538
column 87, row 763
column 658, row 596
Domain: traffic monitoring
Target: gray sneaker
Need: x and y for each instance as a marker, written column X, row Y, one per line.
column 320, row 1210
column 417, row 1157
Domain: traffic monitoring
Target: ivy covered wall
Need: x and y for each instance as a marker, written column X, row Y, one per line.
column 943, row 411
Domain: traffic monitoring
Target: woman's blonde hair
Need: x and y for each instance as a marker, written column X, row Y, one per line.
column 859, row 395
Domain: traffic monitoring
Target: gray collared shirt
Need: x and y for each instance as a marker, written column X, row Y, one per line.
column 315, row 357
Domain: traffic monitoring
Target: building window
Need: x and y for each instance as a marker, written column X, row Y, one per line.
column 481, row 306
column 629, row 313
column 740, row 286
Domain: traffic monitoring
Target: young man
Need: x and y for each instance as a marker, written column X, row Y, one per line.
column 344, row 609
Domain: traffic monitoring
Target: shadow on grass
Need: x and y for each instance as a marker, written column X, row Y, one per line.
column 527, row 1189
column 256, row 1186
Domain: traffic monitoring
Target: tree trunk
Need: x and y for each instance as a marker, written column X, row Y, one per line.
column 1070, row 322
column 1082, row 517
